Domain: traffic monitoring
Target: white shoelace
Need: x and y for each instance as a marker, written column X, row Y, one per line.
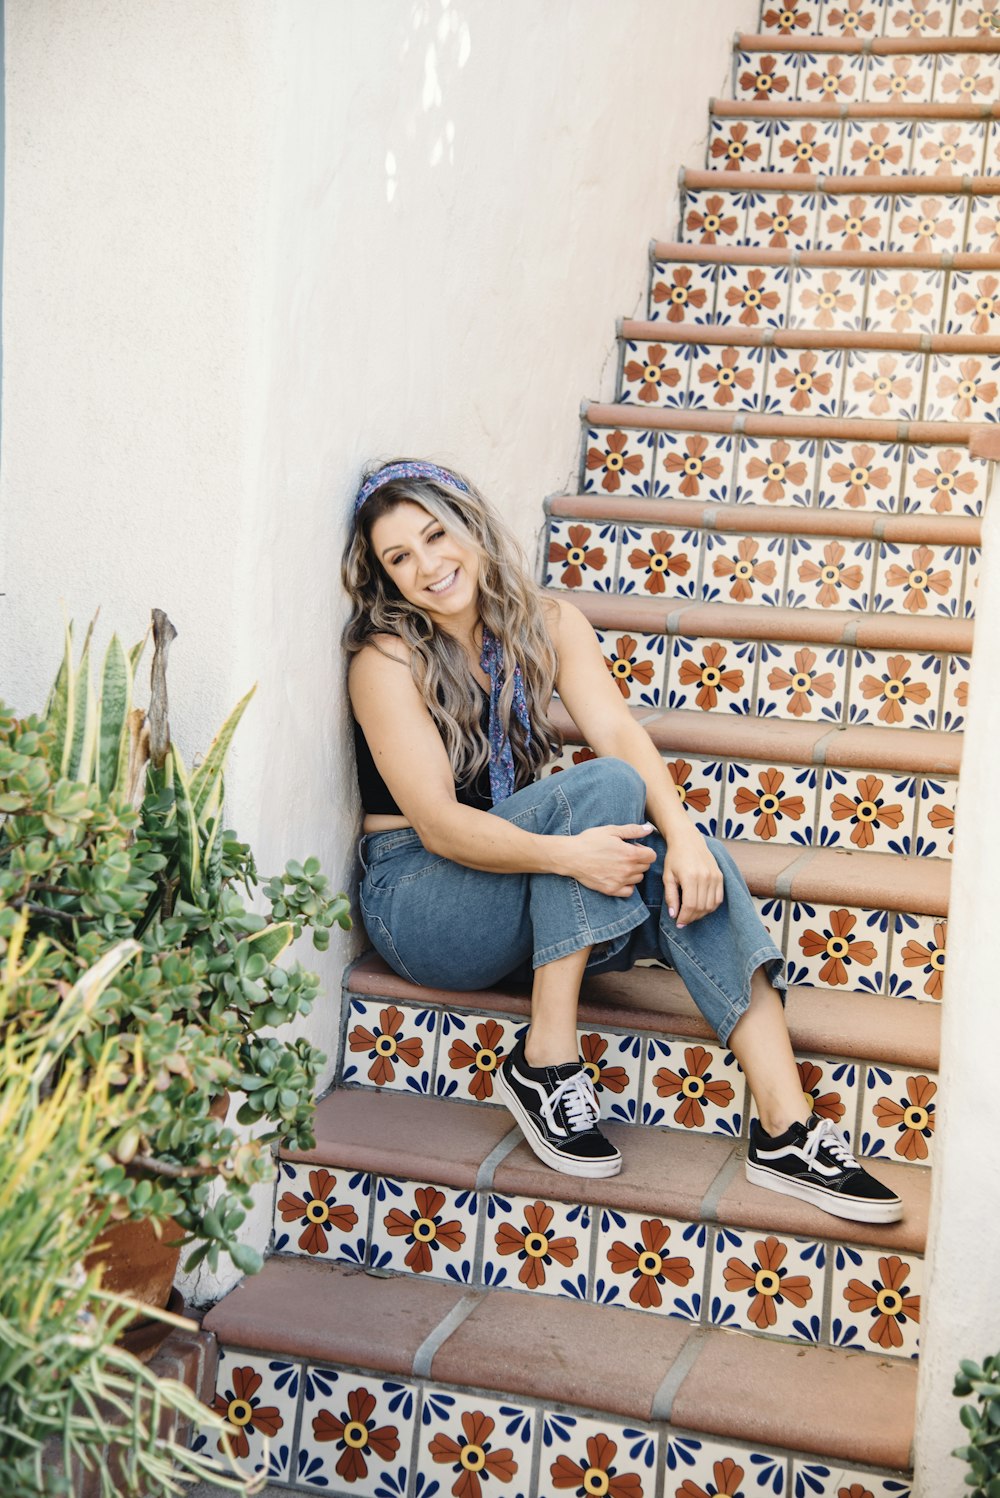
column 582, row 1109
column 826, row 1135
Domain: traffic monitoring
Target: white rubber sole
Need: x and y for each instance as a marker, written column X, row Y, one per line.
column 852, row 1208
column 591, row 1169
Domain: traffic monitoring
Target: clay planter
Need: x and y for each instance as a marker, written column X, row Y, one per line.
column 142, row 1265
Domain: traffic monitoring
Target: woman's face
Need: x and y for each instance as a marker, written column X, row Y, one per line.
column 431, row 568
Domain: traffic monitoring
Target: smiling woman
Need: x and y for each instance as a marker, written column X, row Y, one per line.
column 476, row 869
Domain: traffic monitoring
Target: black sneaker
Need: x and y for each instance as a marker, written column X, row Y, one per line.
column 813, row 1161
column 557, row 1109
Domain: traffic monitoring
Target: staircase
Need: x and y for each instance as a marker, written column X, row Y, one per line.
column 776, row 535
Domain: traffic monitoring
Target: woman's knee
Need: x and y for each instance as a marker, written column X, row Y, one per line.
column 605, row 790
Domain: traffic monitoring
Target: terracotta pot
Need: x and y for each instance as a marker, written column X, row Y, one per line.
column 142, row 1265
column 138, row 1264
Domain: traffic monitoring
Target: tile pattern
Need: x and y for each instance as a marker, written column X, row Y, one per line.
column 335, row 1429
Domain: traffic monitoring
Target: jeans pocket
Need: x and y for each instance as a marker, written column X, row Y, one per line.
column 381, row 940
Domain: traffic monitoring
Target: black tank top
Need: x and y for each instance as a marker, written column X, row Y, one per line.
column 376, row 797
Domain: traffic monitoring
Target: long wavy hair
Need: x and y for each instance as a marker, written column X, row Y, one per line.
column 510, row 606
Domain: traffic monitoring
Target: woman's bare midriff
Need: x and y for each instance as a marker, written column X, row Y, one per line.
column 374, row 822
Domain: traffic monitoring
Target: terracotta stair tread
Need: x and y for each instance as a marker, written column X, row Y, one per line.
column 982, row 441
column 666, row 1173
column 693, row 514
column 804, row 183
column 657, row 330
column 784, row 740
column 739, row 621
column 855, row 1409
column 749, row 254
column 875, row 46
column 882, row 109
column 821, row 1021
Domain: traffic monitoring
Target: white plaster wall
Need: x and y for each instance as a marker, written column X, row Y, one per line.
column 962, row 1317
column 250, row 245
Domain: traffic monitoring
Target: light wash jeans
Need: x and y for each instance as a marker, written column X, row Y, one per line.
column 446, row 926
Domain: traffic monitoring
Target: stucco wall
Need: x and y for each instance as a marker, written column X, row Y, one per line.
column 250, row 245
column 962, row 1317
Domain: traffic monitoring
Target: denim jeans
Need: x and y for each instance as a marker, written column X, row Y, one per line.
column 442, row 925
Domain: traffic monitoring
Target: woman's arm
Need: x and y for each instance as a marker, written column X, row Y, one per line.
column 692, row 879
column 414, row 764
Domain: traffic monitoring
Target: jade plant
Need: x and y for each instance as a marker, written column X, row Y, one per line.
column 105, row 834
column 982, row 1421
column 71, row 1399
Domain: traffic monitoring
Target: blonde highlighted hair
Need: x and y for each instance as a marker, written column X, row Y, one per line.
column 510, row 606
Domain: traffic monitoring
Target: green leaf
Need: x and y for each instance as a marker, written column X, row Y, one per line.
column 211, row 766
column 271, row 942
column 116, row 700
column 188, row 842
column 76, row 725
column 245, row 1258
column 61, row 705
column 135, row 654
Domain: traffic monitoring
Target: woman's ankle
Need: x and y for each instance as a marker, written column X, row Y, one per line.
column 544, row 1050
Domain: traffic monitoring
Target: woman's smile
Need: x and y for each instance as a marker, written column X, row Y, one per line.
column 444, row 584
column 431, row 567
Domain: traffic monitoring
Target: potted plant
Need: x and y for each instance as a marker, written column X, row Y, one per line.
column 982, row 1421
column 71, row 1400
column 105, row 835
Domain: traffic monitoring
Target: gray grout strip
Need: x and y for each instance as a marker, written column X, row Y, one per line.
column 499, row 1153
column 663, row 1399
column 783, row 883
column 425, row 1353
column 713, row 1195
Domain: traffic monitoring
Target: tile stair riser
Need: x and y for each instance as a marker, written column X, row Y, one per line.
column 784, row 570
column 312, row 1403
column 446, row 1047
column 838, row 685
column 877, row 300
column 815, row 473
column 851, row 146
column 846, row 76
column 823, row 382
column 782, row 802
column 881, row 18
column 821, row 220
column 492, row 1239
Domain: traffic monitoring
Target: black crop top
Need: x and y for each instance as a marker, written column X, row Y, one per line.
column 376, row 797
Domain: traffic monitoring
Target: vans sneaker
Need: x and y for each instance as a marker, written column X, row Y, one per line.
column 813, row 1161
column 557, row 1109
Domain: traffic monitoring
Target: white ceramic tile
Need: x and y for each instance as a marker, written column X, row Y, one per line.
column 805, row 382
column 918, row 579
column 648, row 1264
column 801, row 681
column 698, row 465
column 655, row 561
column 424, row 1229
column 965, row 78
column 900, row 80
column 614, row 1063
column 770, row 803
column 712, row 218
column 805, row 146
column 904, row 301
column 770, row 1284
column 711, row 675
column 832, row 78
column 695, row 1087
column 877, row 148
column 944, row 480
column 721, row 1467
column 258, row 1397
column 467, row 1434
column 928, row 223
column 919, row 955
column 974, row 19
column 955, row 698
column 781, row 221
column 699, row 784
column 683, row 293
column 917, row 18
column 858, row 222
column 540, row 1246
column 827, row 299
column 893, row 689
column 834, row 946
column 595, row 1456
column 883, row 385
column 973, row 303
column 726, row 378
column 762, row 76
column 898, row 1115
column 743, row 569
column 581, row 556
column 948, row 148
column 390, row 1046
column 983, row 232
column 963, row 387
column 618, row 461
column 857, row 19
column 322, row 1213
column 655, row 374
column 472, row 1047
column 738, row 145
column 829, row 574
column 356, row 1430
column 636, row 665
column 752, row 296
column 936, row 817
column 814, row 1479
column 867, row 810
column 878, row 1299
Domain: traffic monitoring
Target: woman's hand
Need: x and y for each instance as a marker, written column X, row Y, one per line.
column 608, row 859
column 692, row 880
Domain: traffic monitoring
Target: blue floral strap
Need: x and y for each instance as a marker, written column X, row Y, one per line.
column 501, row 753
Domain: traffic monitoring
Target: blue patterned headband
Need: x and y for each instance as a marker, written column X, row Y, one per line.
column 406, row 471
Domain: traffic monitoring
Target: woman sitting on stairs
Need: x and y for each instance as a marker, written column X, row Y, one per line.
column 476, row 870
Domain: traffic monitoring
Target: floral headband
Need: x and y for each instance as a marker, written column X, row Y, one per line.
column 406, row 471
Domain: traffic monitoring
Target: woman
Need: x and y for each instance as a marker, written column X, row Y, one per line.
column 476, row 870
